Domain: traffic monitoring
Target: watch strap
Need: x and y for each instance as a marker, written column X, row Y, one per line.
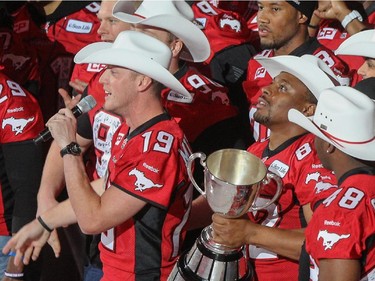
column 72, row 148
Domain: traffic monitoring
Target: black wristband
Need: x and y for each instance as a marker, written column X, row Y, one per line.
column 313, row 26
column 45, row 226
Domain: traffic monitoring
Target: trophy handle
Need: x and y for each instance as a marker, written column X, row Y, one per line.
column 190, row 162
column 267, row 179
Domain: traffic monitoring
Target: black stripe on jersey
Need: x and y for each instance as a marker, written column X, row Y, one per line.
column 268, row 153
column 148, row 225
column 309, row 47
column 357, row 171
column 138, row 197
column 7, row 195
column 370, row 243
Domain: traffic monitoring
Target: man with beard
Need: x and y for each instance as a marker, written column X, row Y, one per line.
column 275, row 235
column 283, row 30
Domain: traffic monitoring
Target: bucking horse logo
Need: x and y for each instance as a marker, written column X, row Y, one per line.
column 17, row 124
column 142, row 183
column 329, row 239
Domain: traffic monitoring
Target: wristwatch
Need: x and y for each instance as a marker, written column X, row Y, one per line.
column 72, row 148
column 351, row 16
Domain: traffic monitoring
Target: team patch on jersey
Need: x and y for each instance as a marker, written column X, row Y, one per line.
column 373, row 203
column 279, row 168
column 177, row 97
column 77, row 26
column 142, row 182
column 322, row 186
column 95, row 67
column 229, row 21
column 312, row 176
column 18, row 125
column 21, row 26
column 330, row 239
column 17, row 61
column 327, row 33
column 260, row 73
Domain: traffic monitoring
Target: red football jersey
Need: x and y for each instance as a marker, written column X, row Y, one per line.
column 331, row 34
column 56, row 40
column 209, row 106
column 222, row 28
column 19, row 60
column 303, row 177
column 150, row 164
column 343, row 226
column 21, row 120
column 258, row 77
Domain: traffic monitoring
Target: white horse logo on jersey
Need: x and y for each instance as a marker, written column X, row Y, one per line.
column 17, row 124
column 329, row 239
column 233, row 23
column 142, row 182
column 17, row 61
column 313, row 176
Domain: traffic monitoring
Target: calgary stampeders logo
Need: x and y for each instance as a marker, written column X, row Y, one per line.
column 228, row 20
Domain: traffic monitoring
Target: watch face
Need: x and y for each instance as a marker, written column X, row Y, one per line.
column 75, row 149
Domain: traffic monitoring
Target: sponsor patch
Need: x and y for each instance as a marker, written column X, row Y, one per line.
column 278, row 168
column 77, row 26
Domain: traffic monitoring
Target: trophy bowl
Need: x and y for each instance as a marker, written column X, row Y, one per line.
column 233, row 179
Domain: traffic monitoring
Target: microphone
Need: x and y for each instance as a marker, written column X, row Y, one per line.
column 84, row 105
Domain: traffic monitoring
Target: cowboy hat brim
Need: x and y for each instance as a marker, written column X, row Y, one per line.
column 196, row 43
column 363, row 151
column 359, row 44
column 102, row 52
column 314, row 78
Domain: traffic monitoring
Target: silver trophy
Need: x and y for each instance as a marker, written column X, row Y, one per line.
column 233, row 179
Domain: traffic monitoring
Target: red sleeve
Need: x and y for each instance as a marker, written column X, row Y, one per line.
column 20, row 113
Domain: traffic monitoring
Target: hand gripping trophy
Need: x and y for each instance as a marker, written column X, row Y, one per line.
column 233, row 179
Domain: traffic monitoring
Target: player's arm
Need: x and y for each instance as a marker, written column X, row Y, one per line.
column 339, row 270
column 238, row 232
column 338, row 10
column 31, row 238
column 53, row 182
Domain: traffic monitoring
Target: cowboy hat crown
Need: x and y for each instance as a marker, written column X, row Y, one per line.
column 359, row 44
column 138, row 52
column 345, row 118
column 176, row 17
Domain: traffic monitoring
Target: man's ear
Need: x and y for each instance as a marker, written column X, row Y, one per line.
column 303, row 19
column 144, row 82
column 176, row 47
column 309, row 109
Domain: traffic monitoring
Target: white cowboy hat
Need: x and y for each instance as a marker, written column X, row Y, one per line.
column 344, row 117
column 359, row 44
column 139, row 52
column 309, row 69
column 177, row 17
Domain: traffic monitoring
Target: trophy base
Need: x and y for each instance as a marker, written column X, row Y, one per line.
column 210, row 261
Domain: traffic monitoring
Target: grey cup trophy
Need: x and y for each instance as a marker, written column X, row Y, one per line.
column 233, row 179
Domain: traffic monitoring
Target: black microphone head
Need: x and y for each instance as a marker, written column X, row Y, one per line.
column 86, row 104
